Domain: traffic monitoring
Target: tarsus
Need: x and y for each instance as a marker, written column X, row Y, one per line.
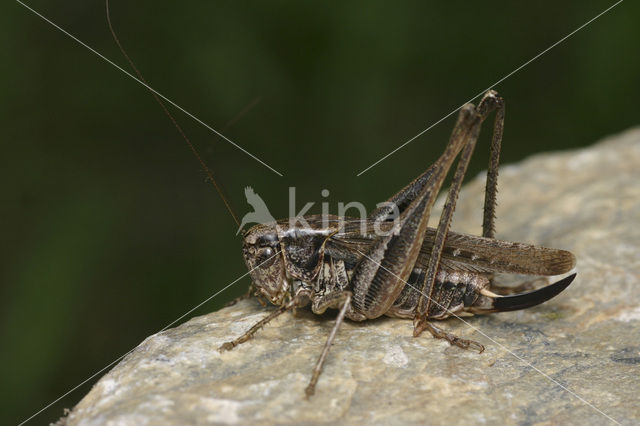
column 173, row 120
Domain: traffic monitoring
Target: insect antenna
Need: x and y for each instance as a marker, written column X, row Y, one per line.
column 173, row 120
column 243, row 112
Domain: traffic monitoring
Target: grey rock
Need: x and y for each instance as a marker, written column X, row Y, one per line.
column 574, row 359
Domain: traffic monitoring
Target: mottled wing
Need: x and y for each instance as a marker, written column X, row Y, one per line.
column 463, row 252
column 493, row 255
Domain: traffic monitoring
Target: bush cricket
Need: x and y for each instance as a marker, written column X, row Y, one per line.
column 408, row 270
column 414, row 271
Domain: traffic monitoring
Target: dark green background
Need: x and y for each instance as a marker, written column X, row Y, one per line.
column 109, row 228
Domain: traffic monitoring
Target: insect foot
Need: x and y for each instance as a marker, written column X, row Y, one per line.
column 227, row 346
column 453, row 340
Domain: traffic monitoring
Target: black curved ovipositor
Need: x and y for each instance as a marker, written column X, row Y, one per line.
column 532, row 298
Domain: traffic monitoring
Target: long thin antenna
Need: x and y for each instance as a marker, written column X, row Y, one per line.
column 173, row 120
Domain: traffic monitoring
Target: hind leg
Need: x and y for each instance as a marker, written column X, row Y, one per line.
column 453, row 340
column 491, row 101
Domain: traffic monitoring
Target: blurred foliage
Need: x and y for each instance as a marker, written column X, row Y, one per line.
column 110, row 230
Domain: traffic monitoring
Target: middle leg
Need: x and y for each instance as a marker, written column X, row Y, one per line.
column 346, row 304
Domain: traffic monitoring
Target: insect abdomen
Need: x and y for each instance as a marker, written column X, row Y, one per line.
column 452, row 293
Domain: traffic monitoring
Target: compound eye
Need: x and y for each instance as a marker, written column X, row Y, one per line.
column 264, row 255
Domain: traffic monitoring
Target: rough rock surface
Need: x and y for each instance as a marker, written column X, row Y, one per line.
column 575, row 359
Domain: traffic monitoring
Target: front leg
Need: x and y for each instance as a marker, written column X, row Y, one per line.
column 244, row 296
column 298, row 300
column 257, row 326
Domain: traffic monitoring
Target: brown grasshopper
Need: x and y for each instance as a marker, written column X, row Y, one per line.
column 411, row 270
